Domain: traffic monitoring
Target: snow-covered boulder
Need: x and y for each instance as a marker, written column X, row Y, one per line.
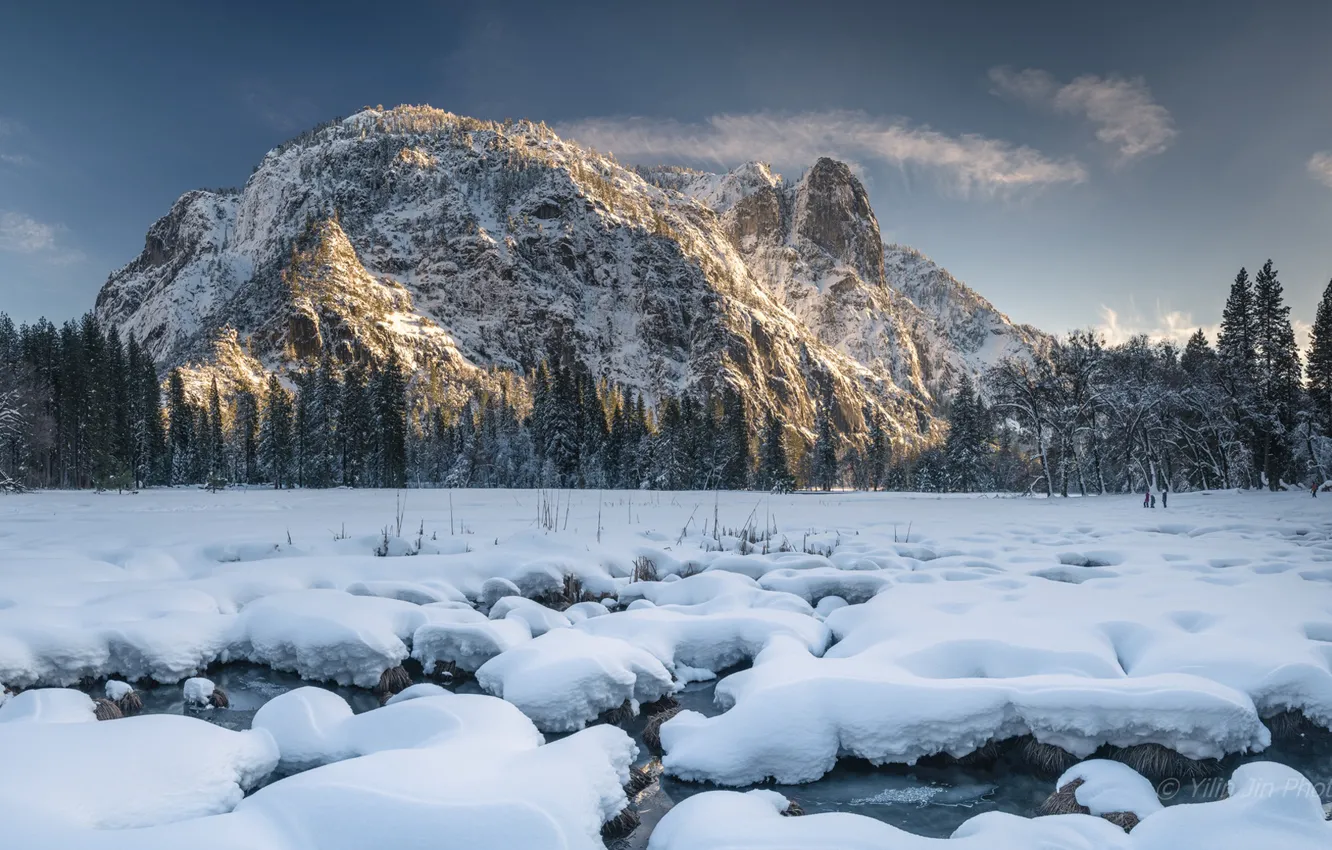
column 313, row 726
column 566, row 677
column 469, row 642
column 328, row 635
column 538, row 617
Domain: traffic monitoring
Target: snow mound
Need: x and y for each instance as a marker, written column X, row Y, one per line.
column 792, row 715
column 459, row 794
column 417, row 593
column 1108, row 787
column 538, row 617
column 730, row 820
column 712, row 635
column 1270, row 806
column 144, row 770
column 469, row 642
column 329, row 635
column 313, row 726
column 565, row 678
column 48, row 705
column 198, row 692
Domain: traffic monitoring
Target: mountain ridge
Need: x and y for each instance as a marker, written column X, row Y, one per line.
column 470, row 246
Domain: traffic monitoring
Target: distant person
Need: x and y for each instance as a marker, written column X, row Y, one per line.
column 1146, row 497
column 1165, row 498
column 1153, row 501
column 1315, row 490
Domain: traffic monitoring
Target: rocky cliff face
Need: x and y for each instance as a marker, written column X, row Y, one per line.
column 469, row 246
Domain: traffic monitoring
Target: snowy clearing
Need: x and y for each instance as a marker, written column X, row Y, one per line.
column 887, row 627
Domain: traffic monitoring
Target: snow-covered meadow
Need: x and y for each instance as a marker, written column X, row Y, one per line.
column 880, row 636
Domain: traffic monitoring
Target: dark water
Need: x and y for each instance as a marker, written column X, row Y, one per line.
column 928, row 800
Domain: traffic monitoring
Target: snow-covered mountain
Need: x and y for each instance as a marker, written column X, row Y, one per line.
column 470, row 247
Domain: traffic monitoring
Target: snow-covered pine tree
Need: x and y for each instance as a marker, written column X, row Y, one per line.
column 1319, row 366
column 1237, row 341
column 245, row 431
column 774, row 469
column 823, row 470
column 592, row 432
column 355, row 421
column 1198, row 355
column 1278, row 365
column 276, row 438
column 180, row 446
column 216, row 440
column 967, row 448
column 878, row 450
column 12, row 428
column 562, row 428
column 734, row 435
column 391, row 422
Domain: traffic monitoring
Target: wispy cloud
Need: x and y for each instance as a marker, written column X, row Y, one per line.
column 22, row 234
column 8, row 155
column 963, row 163
column 1170, row 325
column 1123, row 110
column 1320, row 167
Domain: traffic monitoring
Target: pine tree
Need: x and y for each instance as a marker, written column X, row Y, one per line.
column 774, row 471
column 1319, row 367
column 878, row 450
column 216, row 442
column 824, row 469
column 1278, row 365
column 355, row 419
column 561, row 428
column 1198, row 354
column 246, row 430
column 966, row 451
column 391, row 422
column 737, row 456
column 181, row 416
column 1237, row 340
column 276, row 438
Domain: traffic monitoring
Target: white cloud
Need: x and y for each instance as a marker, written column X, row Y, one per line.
column 1320, row 167
column 1123, row 110
column 965, row 163
column 7, row 156
column 24, row 235
column 1170, row 325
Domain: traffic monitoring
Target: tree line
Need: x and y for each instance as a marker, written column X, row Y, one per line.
column 82, row 408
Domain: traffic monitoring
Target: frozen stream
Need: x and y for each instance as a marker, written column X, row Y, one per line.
column 928, row 800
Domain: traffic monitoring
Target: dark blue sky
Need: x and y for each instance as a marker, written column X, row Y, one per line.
column 1062, row 159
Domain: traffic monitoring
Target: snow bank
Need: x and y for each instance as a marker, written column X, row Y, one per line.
column 566, row 677
column 48, row 705
column 313, row 726
column 1270, row 806
column 328, row 635
column 792, row 715
column 133, row 772
column 538, row 617
column 729, row 820
column 458, row 794
column 468, row 642
column 712, row 635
